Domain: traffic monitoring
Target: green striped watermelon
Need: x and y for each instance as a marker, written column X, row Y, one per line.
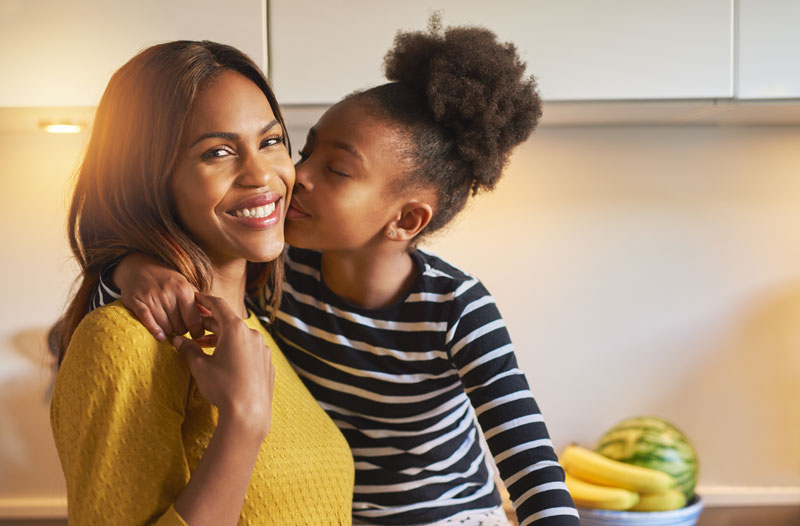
column 653, row 442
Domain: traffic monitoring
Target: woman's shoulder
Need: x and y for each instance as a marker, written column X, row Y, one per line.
column 113, row 321
column 111, row 335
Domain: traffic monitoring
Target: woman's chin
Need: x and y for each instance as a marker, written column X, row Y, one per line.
column 265, row 254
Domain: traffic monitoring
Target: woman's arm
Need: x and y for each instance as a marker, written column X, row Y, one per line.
column 118, row 413
column 238, row 380
column 481, row 350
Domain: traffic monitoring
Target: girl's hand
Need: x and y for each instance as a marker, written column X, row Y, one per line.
column 162, row 299
column 238, row 378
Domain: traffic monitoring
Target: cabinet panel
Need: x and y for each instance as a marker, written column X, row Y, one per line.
column 578, row 49
column 769, row 49
column 56, row 53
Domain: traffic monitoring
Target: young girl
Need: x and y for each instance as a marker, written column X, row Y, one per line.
column 147, row 435
column 402, row 349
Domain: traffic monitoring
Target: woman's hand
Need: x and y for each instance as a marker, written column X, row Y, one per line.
column 238, row 378
column 162, row 299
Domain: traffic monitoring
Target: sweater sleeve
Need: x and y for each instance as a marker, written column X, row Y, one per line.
column 117, row 411
column 481, row 350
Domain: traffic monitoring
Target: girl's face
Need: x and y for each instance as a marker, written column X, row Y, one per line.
column 233, row 180
column 343, row 197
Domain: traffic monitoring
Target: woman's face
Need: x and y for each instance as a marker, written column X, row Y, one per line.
column 233, row 180
column 343, row 196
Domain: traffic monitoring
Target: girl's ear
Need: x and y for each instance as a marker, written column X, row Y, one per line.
column 412, row 218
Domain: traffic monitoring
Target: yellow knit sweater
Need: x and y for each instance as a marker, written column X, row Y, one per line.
column 130, row 427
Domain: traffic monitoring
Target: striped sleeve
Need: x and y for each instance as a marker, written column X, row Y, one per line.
column 481, row 351
column 105, row 292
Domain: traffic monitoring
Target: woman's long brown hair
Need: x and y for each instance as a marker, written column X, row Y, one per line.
column 122, row 201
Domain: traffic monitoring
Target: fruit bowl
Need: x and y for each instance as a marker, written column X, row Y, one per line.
column 686, row 516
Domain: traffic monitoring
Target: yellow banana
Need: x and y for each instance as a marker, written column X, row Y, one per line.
column 594, row 467
column 589, row 495
column 671, row 499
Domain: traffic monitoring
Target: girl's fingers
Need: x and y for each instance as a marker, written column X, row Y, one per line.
column 210, row 324
column 221, row 314
column 144, row 316
column 157, row 314
column 170, row 306
column 190, row 314
column 217, row 307
column 203, row 311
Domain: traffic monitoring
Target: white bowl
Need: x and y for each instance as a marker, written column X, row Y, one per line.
column 686, row 516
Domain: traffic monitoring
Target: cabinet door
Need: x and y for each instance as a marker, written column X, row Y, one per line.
column 57, row 53
column 578, row 49
column 769, row 49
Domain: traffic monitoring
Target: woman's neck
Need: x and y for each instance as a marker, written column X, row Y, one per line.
column 230, row 280
column 369, row 279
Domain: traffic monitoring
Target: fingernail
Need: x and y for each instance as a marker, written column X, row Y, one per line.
column 177, row 341
column 160, row 336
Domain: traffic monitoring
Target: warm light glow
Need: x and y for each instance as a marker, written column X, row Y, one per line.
column 62, row 128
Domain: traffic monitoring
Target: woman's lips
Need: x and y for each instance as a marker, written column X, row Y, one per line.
column 256, row 201
column 259, row 212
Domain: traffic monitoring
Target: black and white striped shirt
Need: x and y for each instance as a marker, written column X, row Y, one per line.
column 405, row 383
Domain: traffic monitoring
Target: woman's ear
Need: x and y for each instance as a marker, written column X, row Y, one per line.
column 412, row 218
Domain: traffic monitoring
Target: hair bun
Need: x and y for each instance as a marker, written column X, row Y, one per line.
column 475, row 89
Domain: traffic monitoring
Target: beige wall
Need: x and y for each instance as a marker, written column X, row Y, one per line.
column 35, row 272
column 654, row 270
column 649, row 270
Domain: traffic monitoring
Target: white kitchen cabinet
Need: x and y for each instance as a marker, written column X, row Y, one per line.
column 58, row 53
column 769, row 49
column 578, row 49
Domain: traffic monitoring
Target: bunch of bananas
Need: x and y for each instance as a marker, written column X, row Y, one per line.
column 595, row 481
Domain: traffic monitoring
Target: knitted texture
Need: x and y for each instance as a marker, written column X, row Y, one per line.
column 130, row 427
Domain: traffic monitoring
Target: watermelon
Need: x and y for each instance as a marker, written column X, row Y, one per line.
column 654, row 443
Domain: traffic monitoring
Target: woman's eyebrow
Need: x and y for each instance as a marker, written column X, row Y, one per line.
column 232, row 136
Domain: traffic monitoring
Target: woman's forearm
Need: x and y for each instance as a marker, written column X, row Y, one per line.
column 216, row 490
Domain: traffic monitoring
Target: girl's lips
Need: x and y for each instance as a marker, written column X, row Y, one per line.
column 295, row 210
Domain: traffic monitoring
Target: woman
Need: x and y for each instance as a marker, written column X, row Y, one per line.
column 188, row 162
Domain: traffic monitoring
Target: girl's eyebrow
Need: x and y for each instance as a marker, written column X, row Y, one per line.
column 232, row 136
column 349, row 148
column 346, row 146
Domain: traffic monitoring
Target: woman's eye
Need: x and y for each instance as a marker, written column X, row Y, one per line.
column 216, row 153
column 272, row 141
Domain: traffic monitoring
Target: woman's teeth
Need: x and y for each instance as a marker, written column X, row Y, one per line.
column 259, row 211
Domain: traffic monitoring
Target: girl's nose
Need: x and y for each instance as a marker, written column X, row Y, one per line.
column 303, row 177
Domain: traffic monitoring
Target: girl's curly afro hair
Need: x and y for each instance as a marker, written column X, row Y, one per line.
column 464, row 102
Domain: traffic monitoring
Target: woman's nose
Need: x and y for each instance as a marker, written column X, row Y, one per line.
column 257, row 170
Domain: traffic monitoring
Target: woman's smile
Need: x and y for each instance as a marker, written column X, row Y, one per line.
column 260, row 212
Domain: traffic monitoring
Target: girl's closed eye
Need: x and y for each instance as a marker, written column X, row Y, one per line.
column 338, row 172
